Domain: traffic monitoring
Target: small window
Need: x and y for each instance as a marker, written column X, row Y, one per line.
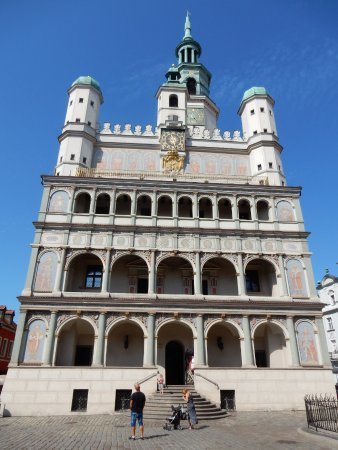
column 4, row 347
column 270, row 112
column 329, row 323
column 57, row 174
column 93, row 277
column 72, row 157
column 70, row 103
column 89, row 123
column 278, row 167
column 60, row 160
column 265, row 130
column 255, row 132
column 228, row 400
column 259, row 166
column 252, row 112
column 77, row 120
column 262, row 109
column 10, row 348
column 80, row 100
column 205, row 287
column 283, row 184
column 92, row 103
column 84, row 160
column 173, row 101
column 122, row 399
column 270, row 165
column 80, row 400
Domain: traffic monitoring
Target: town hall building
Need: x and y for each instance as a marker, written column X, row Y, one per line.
column 176, row 248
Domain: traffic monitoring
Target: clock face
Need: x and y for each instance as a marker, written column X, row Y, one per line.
column 172, row 140
column 195, row 116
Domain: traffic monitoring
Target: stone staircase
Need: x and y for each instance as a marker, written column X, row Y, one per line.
column 158, row 407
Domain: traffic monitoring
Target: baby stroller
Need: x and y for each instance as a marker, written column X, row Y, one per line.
column 174, row 421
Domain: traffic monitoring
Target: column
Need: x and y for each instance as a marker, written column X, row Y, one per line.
column 197, row 276
column 235, row 212
column 31, row 270
column 112, row 207
column 323, row 345
column 282, row 272
column 106, row 273
column 150, row 348
column 44, row 204
column 18, row 338
column 92, row 206
column 70, row 206
column 200, row 360
column 215, row 211
column 59, row 271
column 249, row 357
column 240, row 275
column 151, row 284
column 254, row 213
column 195, row 206
column 133, row 207
column 175, row 209
column 98, row 358
column 293, row 341
column 48, row 352
column 186, row 54
column 154, row 208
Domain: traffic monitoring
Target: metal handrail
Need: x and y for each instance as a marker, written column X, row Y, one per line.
column 143, row 380
column 207, row 379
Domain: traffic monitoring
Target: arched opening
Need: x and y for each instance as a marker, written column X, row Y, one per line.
column 262, row 210
column 185, row 207
column 270, row 346
column 191, row 86
column 175, row 276
column 173, row 101
column 224, row 346
column 175, row 347
column 165, row 206
column 219, row 278
column 102, row 204
column 244, row 210
column 125, row 345
column 82, row 203
column 260, row 278
column 224, row 209
column 129, row 275
column 143, row 206
column 205, row 208
column 85, row 274
column 123, row 205
column 75, row 344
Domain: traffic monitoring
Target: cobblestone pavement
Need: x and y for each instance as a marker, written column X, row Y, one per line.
column 243, row 430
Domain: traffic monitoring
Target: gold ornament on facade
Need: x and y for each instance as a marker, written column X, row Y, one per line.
column 172, row 162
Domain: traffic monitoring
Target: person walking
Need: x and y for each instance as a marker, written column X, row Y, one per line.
column 137, row 402
column 191, row 410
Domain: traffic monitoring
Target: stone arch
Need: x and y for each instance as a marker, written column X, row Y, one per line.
column 129, row 273
column 244, row 207
column 205, row 207
column 219, row 276
column 120, row 320
column 178, row 255
column 185, row 206
column 224, row 343
column 119, row 255
column 72, row 318
column 224, row 321
column 102, row 203
column 215, row 255
column 274, row 321
column 165, row 207
column 46, row 250
column 262, row 276
column 262, row 257
column 84, row 252
column 58, row 201
column 123, row 204
column 285, row 211
column 82, row 205
column 263, row 209
column 144, row 204
column 177, row 321
column 224, row 205
column 84, row 272
column 270, row 340
column 33, row 318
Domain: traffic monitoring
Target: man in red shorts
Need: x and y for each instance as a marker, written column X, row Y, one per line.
column 137, row 402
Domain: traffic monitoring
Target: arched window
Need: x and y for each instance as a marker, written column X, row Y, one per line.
column 165, row 206
column 262, row 210
column 123, row 205
column 224, row 209
column 185, row 207
column 191, row 86
column 102, row 204
column 144, row 206
column 205, row 208
column 244, row 210
column 82, row 203
column 173, row 101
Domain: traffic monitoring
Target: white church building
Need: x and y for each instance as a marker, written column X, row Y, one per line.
column 161, row 244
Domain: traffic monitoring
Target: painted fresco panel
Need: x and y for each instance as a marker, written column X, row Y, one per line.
column 59, row 202
column 285, row 212
column 208, row 163
column 45, row 277
column 35, row 342
column 296, row 277
column 106, row 159
column 306, row 343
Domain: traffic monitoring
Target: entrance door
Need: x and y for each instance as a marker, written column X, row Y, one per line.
column 174, row 363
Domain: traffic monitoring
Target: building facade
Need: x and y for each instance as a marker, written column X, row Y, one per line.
column 161, row 244
column 328, row 293
column 7, row 335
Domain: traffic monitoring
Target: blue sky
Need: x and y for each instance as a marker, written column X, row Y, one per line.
column 288, row 46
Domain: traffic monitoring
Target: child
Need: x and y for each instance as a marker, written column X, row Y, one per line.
column 160, row 382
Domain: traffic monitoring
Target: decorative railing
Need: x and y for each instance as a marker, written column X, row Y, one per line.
column 322, row 412
column 207, row 379
column 195, row 132
column 148, row 377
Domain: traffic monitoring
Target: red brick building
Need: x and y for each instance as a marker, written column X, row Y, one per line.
column 7, row 334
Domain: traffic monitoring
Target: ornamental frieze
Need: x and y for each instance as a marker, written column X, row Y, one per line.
column 38, row 315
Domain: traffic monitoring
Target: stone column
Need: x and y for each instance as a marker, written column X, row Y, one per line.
column 106, row 273
column 240, row 276
column 197, row 276
column 200, row 360
column 249, row 357
column 293, row 341
column 186, row 54
column 18, row 339
column 59, row 271
column 234, row 209
column 195, row 207
column 44, row 204
column 154, row 208
column 99, row 350
column 133, row 207
column 152, row 277
column 283, row 277
column 323, row 345
column 150, row 347
column 112, row 207
column 31, row 271
column 48, row 352
column 70, row 206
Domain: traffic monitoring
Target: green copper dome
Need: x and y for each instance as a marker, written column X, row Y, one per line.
column 88, row 81
column 254, row 91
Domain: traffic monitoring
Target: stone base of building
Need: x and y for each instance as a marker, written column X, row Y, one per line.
column 45, row 391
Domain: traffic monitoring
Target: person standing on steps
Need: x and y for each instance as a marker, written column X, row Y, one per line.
column 160, row 382
column 137, row 402
column 192, row 418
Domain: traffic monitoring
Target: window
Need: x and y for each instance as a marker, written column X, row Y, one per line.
column 10, row 348
column 122, row 399
column 173, row 101
column 70, row 103
column 142, row 285
column 92, row 103
column 93, row 277
column 205, row 287
column 329, row 323
column 89, row 123
column 270, row 165
column 259, row 166
column 80, row 100
column 265, row 130
column 228, row 400
column 262, row 109
column 72, row 157
column 84, row 160
column 278, row 167
column 270, row 112
column 252, row 112
column 57, row 174
column 191, row 85
column 4, row 347
column 60, row 160
column 80, row 399
column 77, row 120
column 252, row 281
column 255, row 132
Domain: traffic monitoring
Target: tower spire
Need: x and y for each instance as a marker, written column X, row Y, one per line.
column 187, row 27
